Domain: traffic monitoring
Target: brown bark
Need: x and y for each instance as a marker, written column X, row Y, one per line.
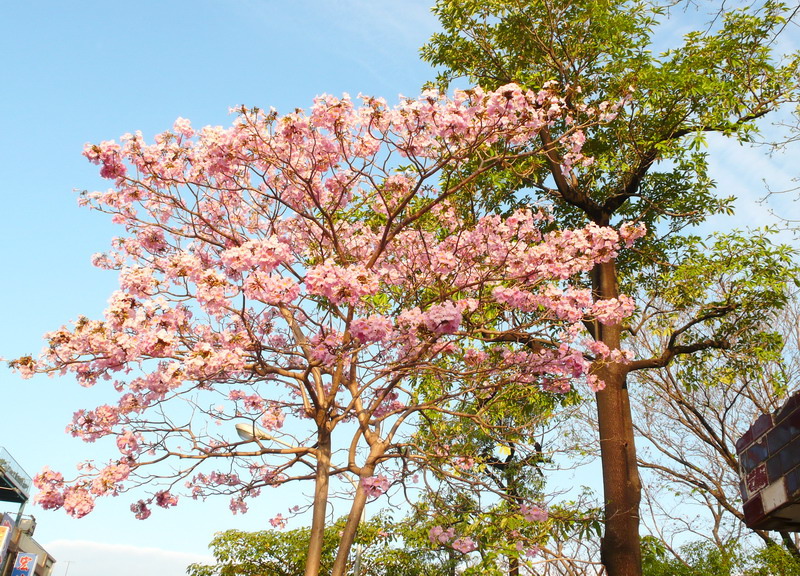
column 349, row 533
column 319, row 512
column 513, row 566
column 620, row 549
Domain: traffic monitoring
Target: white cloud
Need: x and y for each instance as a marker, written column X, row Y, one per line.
column 85, row 558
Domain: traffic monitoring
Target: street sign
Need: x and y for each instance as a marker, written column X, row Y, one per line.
column 25, row 564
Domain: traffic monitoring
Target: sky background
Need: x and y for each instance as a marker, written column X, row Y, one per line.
column 86, row 71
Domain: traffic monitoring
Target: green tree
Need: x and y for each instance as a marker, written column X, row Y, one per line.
column 697, row 559
column 650, row 166
column 380, row 550
column 773, row 560
column 704, row 558
column 484, row 494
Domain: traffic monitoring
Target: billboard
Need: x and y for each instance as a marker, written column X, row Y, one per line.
column 25, row 564
column 6, row 528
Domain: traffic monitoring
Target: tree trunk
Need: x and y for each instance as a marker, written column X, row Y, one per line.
column 513, row 566
column 349, row 533
column 620, row 549
column 321, row 484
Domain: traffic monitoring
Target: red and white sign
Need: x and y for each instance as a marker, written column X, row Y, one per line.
column 25, row 564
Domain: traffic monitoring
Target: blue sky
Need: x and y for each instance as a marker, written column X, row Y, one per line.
column 85, row 71
column 77, row 72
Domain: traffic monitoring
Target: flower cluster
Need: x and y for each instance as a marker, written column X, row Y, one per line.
column 141, row 510
column 165, row 499
column 463, row 544
column 341, row 284
column 533, row 513
column 303, row 271
column 109, row 479
column 374, row 486
column 278, row 522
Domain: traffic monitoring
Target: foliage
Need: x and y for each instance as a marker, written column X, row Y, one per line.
column 773, row 560
column 699, row 559
column 697, row 298
column 704, row 558
column 284, row 553
column 527, row 537
column 650, row 163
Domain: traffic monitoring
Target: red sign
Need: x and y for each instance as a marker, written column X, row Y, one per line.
column 25, row 564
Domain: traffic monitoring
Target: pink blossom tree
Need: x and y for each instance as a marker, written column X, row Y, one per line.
column 300, row 277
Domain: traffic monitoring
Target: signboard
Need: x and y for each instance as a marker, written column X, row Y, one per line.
column 769, row 462
column 25, row 564
column 6, row 528
column 5, row 536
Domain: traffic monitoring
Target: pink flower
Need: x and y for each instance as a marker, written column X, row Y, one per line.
column 473, row 357
column 374, row 486
column 183, row 127
column 464, row 545
column 140, row 510
column 613, row 310
column 594, row 383
column 599, row 348
column 629, row 233
column 109, row 479
column 532, row 551
column 327, row 346
column 464, row 463
column 389, row 404
column 25, row 366
column 128, row 443
column 273, row 418
column 50, row 485
column 438, row 535
column 108, row 155
column 533, row 513
column 341, row 284
column 165, row 499
column 48, row 479
column 238, row 505
column 443, row 318
column 278, row 522
column 375, row 328
column 77, row 501
column 262, row 255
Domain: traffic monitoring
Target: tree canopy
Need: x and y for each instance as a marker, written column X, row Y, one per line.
column 308, row 281
column 347, row 286
column 381, row 551
column 708, row 296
